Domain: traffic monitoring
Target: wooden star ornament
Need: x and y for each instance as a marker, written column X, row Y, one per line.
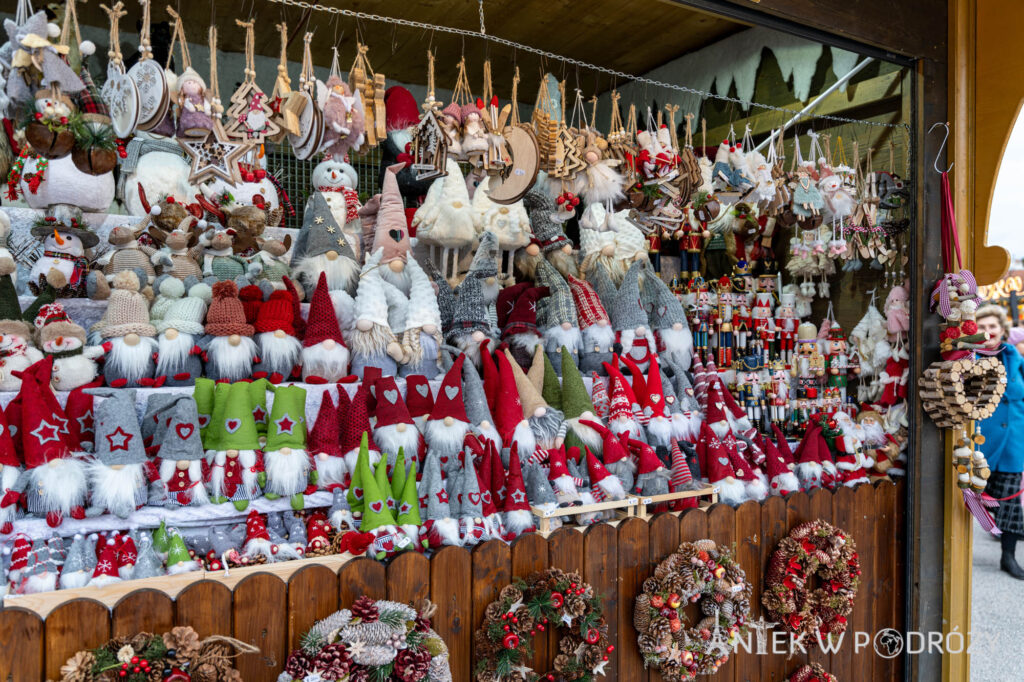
column 214, row 156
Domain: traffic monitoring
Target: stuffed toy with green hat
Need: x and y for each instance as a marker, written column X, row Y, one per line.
column 288, row 467
column 258, row 395
column 236, row 473
column 377, row 518
column 578, row 408
column 408, row 505
column 178, row 558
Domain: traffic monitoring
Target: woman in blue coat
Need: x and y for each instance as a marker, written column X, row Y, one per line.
column 1004, row 437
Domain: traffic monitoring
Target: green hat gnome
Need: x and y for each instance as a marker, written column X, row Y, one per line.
column 288, row 467
column 377, row 518
column 237, row 470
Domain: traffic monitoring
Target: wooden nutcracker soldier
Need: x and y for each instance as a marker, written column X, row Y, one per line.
column 786, row 324
column 837, row 362
column 703, row 317
column 724, row 322
column 692, row 236
column 778, row 393
column 809, row 365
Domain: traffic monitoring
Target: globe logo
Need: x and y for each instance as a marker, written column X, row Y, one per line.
column 888, row 643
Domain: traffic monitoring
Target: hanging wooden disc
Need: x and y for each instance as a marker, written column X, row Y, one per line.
column 306, row 141
column 119, row 90
column 516, row 178
column 149, row 78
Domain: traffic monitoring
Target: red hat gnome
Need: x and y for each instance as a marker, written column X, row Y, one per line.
column 287, row 464
column 276, row 337
column 682, row 477
column 324, row 355
column 354, row 425
column 228, row 347
column 324, row 445
column 621, row 419
column 754, row 479
column 808, row 465
column 236, row 473
column 419, row 399
column 560, row 478
column 55, row 482
column 181, row 456
column 605, row 485
column 105, row 572
column 395, row 429
column 10, row 472
column 513, row 426
column 517, row 514
column 118, row 474
column 257, row 539
column 716, row 467
column 615, row 448
column 447, row 426
column 651, row 476
column 781, row 481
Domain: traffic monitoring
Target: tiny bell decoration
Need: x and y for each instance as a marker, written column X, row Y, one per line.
column 529, row 607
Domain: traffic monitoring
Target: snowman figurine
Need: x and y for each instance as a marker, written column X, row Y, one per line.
column 337, row 181
column 64, row 245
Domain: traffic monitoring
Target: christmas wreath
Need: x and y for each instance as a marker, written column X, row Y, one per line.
column 546, row 599
column 375, row 641
column 699, row 573
column 812, row 673
column 812, row 549
column 175, row 656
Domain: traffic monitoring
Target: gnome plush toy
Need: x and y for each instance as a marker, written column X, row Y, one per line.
column 355, row 423
column 10, row 472
column 668, row 320
column 324, row 355
column 517, row 318
column 539, row 492
column 476, row 405
column 181, row 456
column 322, row 247
column 285, row 459
column 448, row 424
column 117, row 476
column 598, row 337
column 549, row 239
column 391, row 232
column 74, row 363
column 228, row 347
column 324, row 445
column 236, row 470
column 372, row 341
column 421, row 339
column 469, row 326
column 446, row 218
column 629, row 317
column 557, row 318
column 179, row 358
column 128, row 336
column 276, row 339
column 54, row 480
column 577, row 407
column 509, row 415
column 516, row 513
column 439, row 527
column 545, row 421
column 394, row 429
column 377, row 517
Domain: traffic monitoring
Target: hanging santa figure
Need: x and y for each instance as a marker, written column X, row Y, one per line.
column 54, row 480
column 118, row 476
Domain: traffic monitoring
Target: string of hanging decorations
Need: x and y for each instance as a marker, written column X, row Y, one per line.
column 569, row 61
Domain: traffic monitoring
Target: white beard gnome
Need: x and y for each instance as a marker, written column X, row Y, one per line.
column 10, row 472
column 447, row 426
column 372, row 340
column 394, row 430
column 324, row 355
column 179, row 361
column 285, row 459
column 236, row 472
column 323, row 247
column 181, row 457
column 129, row 337
column 54, row 480
column 118, row 476
column 278, row 343
column 228, row 348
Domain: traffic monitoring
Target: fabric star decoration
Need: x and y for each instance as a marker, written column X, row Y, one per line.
column 518, row 497
column 85, row 421
column 285, row 424
column 45, row 432
column 356, row 648
column 599, row 668
column 259, row 415
column 119, row 440
column 319, row 220
column 675, row 655
column 442, row 495
column 329, row 228
column 214, row 156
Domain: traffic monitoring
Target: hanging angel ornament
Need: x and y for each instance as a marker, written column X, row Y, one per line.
column 344, row 118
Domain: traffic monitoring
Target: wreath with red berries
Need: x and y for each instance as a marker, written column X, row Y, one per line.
column 813, row 549
column 699, row 573
column 547, row 599
column 812, row 673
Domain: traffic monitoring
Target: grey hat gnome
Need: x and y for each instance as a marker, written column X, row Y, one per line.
column 148, row 564
column 476, row 405
column 629, row 318
column 439, row 526
column 118, row 475
column 75, row 573
column 323, row 247
column 557, row 318
column 540, row 492
column 340, row 513
column 181, row 456
column 668, row 319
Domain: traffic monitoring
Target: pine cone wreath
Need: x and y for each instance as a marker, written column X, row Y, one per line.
column 493, row 611
column 333, row 662
column 641, row 614
column 365, row 609
column 412, row 665
column 299, row 664
column 182, row 639
column 78, row 668
column 576, row 606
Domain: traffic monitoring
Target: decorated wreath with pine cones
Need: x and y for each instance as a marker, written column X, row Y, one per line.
column 812, row 673
column 813, row 549
column 374, row 640
column 175, row 656
column 546, row 599
column 699, row 573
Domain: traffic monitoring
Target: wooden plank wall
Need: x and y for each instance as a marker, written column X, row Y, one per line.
column 271, row 613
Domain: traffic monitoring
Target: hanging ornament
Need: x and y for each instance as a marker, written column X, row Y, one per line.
column 306, row 141
column 149, row 78
column 371, row 86
column 215, row 156
column 429, row 143
column 517, row 177
column 286, row 104
column 250, row 117
column 119, row 91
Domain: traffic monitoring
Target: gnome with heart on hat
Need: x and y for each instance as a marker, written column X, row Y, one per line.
column 394, row 429
column 289, row 469
column 118, row 476
column 236, row 470
column 54, row 479
column 447, row 426
column 181, row 457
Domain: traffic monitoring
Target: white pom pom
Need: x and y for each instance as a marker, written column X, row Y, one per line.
column 202, row 223
column 53, row 30
column 87, row 48
column 155, row 209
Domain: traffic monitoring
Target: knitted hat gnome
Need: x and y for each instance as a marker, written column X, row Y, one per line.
column 394, row 429
column 178, row 558
column 285, row 459
column 421, row 339
column 276, row 338
column 236, row 472
column 324, row 355
column 517, row 317
column 377, row 517
column 545, row 421
column 577, row 406
column 549, row 240
column 117, row 475
column 539, row 491
column 754, row 480
column 682, row 476
column 716, row 468
column 448, row 424
column 179, row 360
column 471, row 513
column 668, row 320
column 181, row 456
column 561, row 479
column 228, row 347
column 148, row 564
column 321, row 247
column 509, row 417
column 598, row 337
column 257, row 539
column 557, row 317
column 129, row 344
column 74, row 363
column 10, row 472
column 372, row 341
column 105, row 572
column 74, row 573
column 439, row 527
column 621, row 419
column 602, row 480
column 516, row 513
column 629, row 318
column 55, row 481
column 651, row 476
column 324, row 445
column 476, row 405
column 469, row 326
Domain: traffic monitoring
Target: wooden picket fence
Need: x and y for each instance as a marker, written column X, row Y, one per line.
column 272, row 613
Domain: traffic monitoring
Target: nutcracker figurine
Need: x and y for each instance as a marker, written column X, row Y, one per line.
column 751, row 393
column 838, row 360
column 762, row 326
column 809, row 365
column 724, row 322
column 692, row 237
column 778, row 393
column 703, row 316
column 741, row 323
column 786, row 324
